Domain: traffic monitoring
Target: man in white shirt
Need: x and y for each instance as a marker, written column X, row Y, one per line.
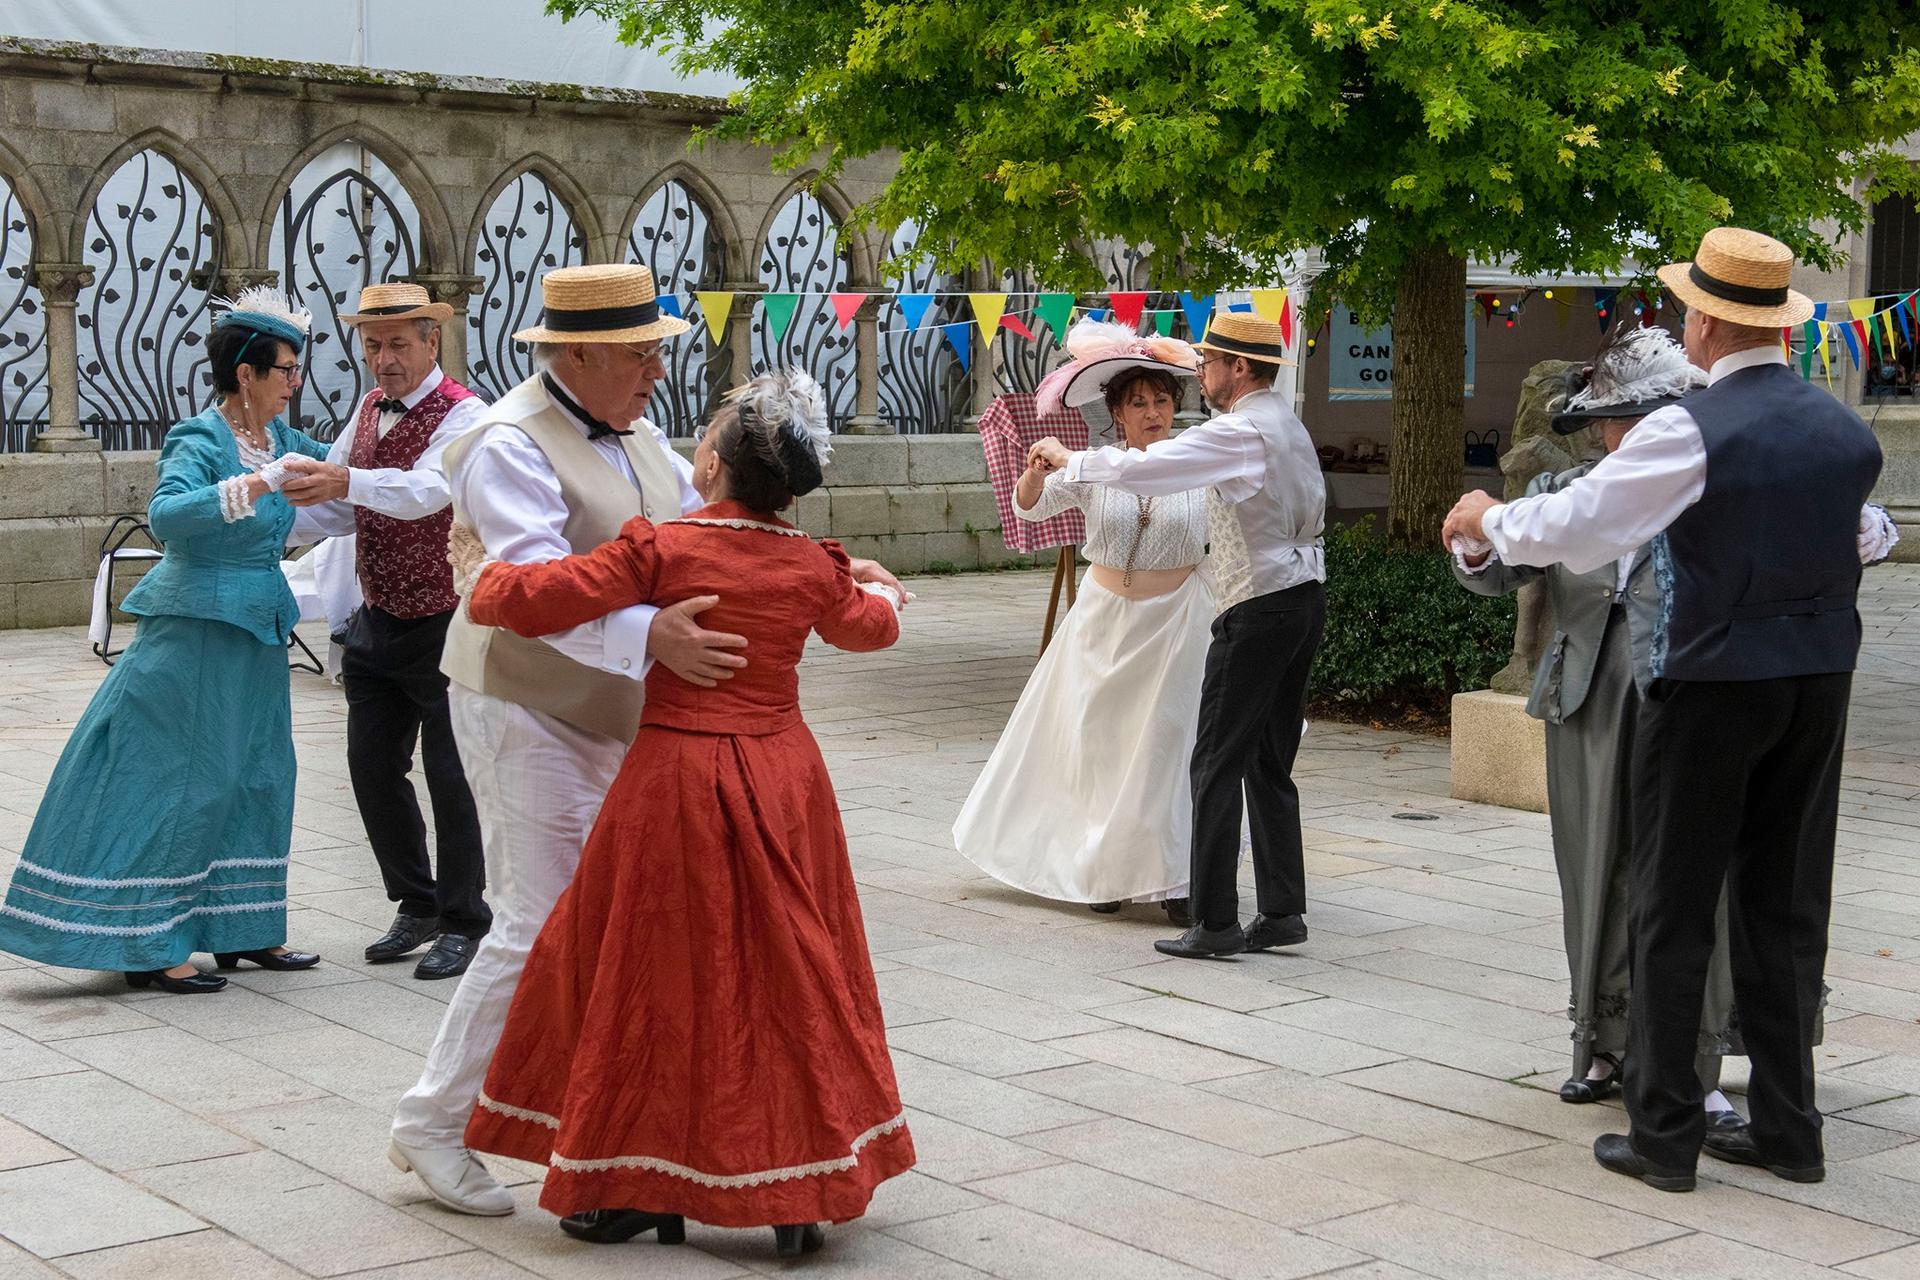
column 1750, row 492
column 1266, row 509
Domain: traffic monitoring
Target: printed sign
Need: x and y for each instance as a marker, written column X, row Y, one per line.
column 1360, row 361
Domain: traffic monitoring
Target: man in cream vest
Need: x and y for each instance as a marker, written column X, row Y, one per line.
column 1266, row 504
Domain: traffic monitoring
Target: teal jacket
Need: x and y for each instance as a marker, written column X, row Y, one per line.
column 212, row 569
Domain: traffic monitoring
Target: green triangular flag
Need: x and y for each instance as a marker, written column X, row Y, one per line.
column 780, row 313
column 1806, row 352
column 1163, row 323
column 1055, row 310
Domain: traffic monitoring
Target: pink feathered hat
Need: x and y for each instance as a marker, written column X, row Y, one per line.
column 1100, row 350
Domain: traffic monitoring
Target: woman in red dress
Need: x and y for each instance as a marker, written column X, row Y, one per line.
column 698, row 1033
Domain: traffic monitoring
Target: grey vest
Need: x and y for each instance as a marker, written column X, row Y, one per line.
column 1272, row 540
column 1757, row 579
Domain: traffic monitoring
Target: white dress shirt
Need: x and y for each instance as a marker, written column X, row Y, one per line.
column 1225, row 453
column 404, row 494
column 507, row 490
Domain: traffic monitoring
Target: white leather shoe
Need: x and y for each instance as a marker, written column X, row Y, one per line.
column 456, row 1178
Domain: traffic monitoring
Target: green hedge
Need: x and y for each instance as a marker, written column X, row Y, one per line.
column 1401, row 633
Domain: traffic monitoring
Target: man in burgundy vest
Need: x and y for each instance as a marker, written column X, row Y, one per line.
column 385, row 481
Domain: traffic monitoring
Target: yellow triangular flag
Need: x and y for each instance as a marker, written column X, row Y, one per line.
column 1826, row 361
column 1269, row 304
column 987, row 310
column 717, row 307
column 1861, row 307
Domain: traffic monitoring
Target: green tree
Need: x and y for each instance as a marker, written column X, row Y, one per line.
column 1403, row 138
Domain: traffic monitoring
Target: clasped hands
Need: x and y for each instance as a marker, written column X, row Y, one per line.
column 1047, row 455
column 1465, row 524
column 311, row 481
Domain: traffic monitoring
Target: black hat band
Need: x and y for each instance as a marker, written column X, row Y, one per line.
column 397, row 309
column 1727, row 291
column 596, row 319
column 1238, row 347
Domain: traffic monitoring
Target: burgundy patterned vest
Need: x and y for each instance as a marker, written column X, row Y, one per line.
column 403, row 563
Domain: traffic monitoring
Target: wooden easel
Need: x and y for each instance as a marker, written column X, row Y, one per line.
column 1066, row 578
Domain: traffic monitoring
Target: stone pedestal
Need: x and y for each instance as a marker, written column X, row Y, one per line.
column 1499, row 751
column 866, row 420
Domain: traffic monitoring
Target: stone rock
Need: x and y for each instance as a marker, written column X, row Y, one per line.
column 1536, row 449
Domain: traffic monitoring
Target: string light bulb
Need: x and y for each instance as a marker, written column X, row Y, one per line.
column 1549, row 295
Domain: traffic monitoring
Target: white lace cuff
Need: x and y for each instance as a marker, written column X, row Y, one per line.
column 277, row 473
column 235, row 502
column 881, row 589
column 1878, row 535
column 1464, row 547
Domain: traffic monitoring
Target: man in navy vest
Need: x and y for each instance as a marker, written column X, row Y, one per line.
column 1750, row 492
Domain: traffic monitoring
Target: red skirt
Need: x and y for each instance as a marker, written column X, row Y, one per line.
column 698, row 1030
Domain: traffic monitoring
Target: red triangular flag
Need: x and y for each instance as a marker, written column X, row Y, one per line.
column 1015, row 324
column 845, row 305
column 1286, row 321
column 1127, row 308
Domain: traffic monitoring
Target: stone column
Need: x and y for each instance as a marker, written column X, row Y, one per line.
column 454, row 290
column 740, row 331
column 866, row 420
column 984, row 383
column 60, row 284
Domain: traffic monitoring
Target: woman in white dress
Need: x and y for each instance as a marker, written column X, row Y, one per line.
column 1086, row 796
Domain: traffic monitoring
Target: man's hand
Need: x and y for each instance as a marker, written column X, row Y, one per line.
column 312, row 481
column 1049, row 453
column 871, row 571
column 1464, row 521
column 689, row 650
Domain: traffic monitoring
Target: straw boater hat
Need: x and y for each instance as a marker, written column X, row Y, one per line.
column 1236, row 333
column 1741, row 276
column 397, row 302
column 1636, row 372
column 1100, row 351
column 612, row 303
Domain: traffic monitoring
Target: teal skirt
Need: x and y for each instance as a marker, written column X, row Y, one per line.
column 166, row 827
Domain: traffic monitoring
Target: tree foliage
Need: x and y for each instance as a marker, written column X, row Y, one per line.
column 1227, row 134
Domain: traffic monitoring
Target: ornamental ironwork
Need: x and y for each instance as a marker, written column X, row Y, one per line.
column 152, row 243
column 346, row 222
column 1021, row 364
column 802, row 254
column 527, row 232
column 675, row 237
column 23, row 330
column 923, row 387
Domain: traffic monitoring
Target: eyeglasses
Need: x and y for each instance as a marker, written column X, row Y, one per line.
column 291, row 370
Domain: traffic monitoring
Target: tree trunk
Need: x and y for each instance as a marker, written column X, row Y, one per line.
column 1429, row 397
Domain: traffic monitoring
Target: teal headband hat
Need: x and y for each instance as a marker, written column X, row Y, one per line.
column 262, row 310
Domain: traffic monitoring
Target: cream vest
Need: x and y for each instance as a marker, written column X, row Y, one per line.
column 1272, row 540
column 599, row 500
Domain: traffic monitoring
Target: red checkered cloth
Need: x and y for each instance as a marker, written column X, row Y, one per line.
column 1009, row 426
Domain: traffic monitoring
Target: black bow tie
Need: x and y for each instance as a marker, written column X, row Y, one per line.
column 596, row 429
column 385, row 405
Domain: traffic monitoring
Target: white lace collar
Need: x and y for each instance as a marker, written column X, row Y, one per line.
column 717, row 522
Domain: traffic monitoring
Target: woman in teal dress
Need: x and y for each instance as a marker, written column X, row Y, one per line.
column 168, row 822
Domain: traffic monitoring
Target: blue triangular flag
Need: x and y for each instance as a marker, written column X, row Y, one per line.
column 958, row 338
column 1097, row 315
column 914, row 307
column 670, row 303
column 1239, row 306
column 1853, row 343
column 1199, row 312
column 1819, row 311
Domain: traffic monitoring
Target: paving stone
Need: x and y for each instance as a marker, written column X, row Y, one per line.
column 993, row 1106
column 1012, row 1243
column 957, row 1153
column 1407, row 1036
column 1254, row 1038
column 203, row 1253
column 1498, row 1102
column 1895, row 1264
column 21, row 1148
column 1699, row 1256
column 1049, row 984
column 113, row 1124
column 914, row 1197
column 1244, row 988
column 1437, row 1244
column 1181, row 1109
column 42, row 1007
column 73, row 1207
column 1162, row 1057
column 340, row 1061
column 22, row 1058
column 978, row 1050
column 191, row 1072
column 1422, row 1127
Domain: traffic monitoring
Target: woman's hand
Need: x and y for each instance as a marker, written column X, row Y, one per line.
column 257, row 487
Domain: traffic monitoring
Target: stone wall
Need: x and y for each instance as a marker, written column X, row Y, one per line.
column 910, row 502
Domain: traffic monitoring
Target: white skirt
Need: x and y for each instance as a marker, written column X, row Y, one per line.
column 1086, row 797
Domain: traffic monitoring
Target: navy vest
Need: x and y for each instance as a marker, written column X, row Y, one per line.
column 1758, row 577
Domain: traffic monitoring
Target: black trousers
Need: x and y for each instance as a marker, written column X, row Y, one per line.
column 1734, row 783
column 1250, row 703
column 395, row 697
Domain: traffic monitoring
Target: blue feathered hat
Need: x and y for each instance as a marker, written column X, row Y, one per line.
column 264, row 311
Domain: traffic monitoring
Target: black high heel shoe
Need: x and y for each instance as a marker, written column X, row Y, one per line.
column 196, row 984
column 1105, row 908
column 1581, row 1090
column 797, row 1238
column 283, row 961
column 617, row 1226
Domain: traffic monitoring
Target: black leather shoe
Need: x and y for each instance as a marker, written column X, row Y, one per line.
column 1725, row 1122
column 195, row 984
column 283, row 961
column 407, row 933
column 1179, row 912
column 1580, row 1089
column 1105, row 908
column 797, row 1238
column 1735, row 1145
column 617, row 1226
column 1275, row 931
column 451, row 954
column 1202, row 943
column 1614, row 1151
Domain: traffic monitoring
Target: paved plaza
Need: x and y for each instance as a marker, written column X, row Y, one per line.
column 1374, row 1104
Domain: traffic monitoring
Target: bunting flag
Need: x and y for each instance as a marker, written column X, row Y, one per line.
column 1163, row 323
column 780, row 309
column 987, row 310
column 1127, row 308
column 961, row 342
column 1489, row 303
column 717, row 307
column 1286, row 319
column 914, row 307
column 1199, row 312
column 1853, row 344
column 1270, row 305
column 845, row 307
column 1014, row 324
column 1240, row 306
column 670, row 303
column 1055, row 310
column 1813, row 339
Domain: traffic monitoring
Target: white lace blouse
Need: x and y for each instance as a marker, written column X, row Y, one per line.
column 1175, row 536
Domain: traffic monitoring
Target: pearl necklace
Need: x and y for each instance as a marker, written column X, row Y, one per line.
column 252, row 456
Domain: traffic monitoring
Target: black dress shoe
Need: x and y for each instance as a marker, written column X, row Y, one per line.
column 1104, row 908
column 407, row 933
column 451, row 954
column 616, row 1226
column 1735, row 1145
column 1179, row 912
column 1581, row 1089
column 1725, row 1122
column 1275, row 931
column 194, row 984
column 1202, row 943
column 283, row 961
column 797, row 1238
column 1615, row 1151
